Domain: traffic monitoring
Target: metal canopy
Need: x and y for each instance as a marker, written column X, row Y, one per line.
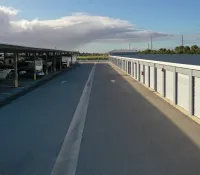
column 24, row 49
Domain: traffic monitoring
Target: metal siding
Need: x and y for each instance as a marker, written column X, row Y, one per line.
column 197, row 97
column 133, row 69
column 183, row 91
column 159, row 80
column 196, row 73
column 124, row 65
column 169, row 85
column 129, row 68
column 152, row 77
column 135, row 74
column 141, row 70
column 146, row 74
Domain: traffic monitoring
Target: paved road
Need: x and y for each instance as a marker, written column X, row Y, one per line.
column 123, row 134
column 33, row 127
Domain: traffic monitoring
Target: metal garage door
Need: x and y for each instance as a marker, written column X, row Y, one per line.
column 152, row 79
column 126, row 66
column 141, row 70
column 146, row 74
column 197, row 97
column 183, row 91
column 160, row 81
column 135, row 71
column 169, row 85
column 129, row 67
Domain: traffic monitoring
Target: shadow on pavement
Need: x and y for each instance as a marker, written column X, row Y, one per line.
column 126, row 134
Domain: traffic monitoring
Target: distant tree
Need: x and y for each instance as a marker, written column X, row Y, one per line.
column 173, row 52
column 162, row 50
column 187, row 50
column 168, row 51
column 179, row 49
column 198, row 51
column 194, row 47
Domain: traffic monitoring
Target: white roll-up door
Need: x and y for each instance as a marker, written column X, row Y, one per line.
column 160, row 80
column 169, row 85
column 141, row 70
column 135, row 71
column 152, row 77
column 126, row 66
column 183, row 91
column 129, row 67
column 197, row 96
column 146, row 74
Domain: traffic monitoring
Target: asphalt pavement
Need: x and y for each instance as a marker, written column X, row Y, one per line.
column 32, row 127
column 124, row 133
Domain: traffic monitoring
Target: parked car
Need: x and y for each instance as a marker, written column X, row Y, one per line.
column 6, row 74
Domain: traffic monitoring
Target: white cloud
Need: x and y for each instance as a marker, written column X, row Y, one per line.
column 69, row 32
column 9, row 10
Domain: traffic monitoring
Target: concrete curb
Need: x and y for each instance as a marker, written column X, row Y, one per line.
column 32, row 87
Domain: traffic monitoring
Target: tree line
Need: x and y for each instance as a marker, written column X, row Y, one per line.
column 91, row 54
column 178, row 50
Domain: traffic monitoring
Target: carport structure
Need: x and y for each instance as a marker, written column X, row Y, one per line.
column 16, row 50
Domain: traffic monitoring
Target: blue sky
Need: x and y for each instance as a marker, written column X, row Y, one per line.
column 172, row 16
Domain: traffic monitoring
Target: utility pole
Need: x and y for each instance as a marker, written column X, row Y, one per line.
column 182, row 43
column 129, row 46
column 151, row 43
column 148, row 46
column 182, row 40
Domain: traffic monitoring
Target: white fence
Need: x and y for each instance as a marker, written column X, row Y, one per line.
column 179, row 83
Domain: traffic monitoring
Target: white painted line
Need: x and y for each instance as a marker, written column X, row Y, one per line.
column 67, row 159
column 25, row 82
column 113, row 81
column 63, row 82
column 6, row 93
column 6, row 86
